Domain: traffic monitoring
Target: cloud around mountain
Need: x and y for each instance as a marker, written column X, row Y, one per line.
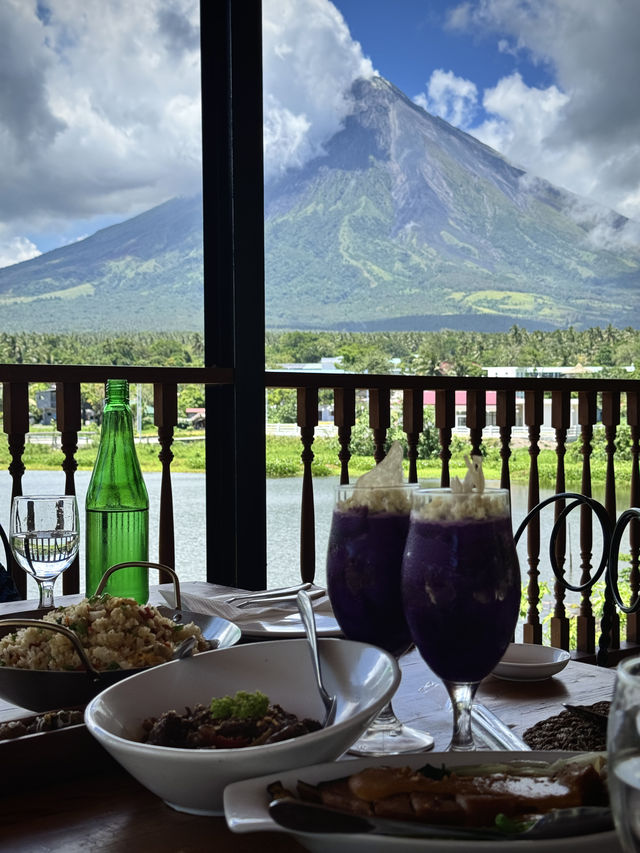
column 88, row 142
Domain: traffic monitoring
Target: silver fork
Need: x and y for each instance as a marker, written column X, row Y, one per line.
column 266, row 594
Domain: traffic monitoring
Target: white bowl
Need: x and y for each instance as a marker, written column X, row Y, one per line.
column 363, row 677
column 531, row 662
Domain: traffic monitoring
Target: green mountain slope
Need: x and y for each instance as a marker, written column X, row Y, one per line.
column 144, row 274
column 404, row 224
column 409, row 223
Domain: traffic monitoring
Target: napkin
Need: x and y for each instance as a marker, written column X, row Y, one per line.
column 211, row 599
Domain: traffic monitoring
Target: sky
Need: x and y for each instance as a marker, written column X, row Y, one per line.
column 100, row 99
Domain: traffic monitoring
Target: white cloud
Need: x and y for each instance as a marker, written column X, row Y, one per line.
column 99, row 111
column 584, row 132
column 13, row 250
column 521, row 119
column 452, row 98
column 310, row 61
column 100, row 105
column 606, row 230
column 100, row 101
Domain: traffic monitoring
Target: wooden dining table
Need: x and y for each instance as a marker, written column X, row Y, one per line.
column 75, row 798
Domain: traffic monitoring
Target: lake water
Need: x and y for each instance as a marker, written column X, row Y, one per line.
column 283, row 523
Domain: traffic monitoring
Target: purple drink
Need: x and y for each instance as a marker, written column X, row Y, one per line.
column 364, row 556
column 461, row 589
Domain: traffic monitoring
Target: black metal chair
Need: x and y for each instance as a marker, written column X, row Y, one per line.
column 8, row 591
column 611, row 536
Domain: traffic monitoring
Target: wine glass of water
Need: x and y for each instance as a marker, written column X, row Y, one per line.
column 45, row 534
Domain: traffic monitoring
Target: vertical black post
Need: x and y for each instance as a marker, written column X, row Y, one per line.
column 231, row 41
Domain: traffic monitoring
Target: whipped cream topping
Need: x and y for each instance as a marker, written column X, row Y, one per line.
column 473, row 506
column 382, row 488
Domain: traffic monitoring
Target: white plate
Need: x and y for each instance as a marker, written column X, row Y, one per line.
column 290, row 627
column 530, row 662
column 246, row 810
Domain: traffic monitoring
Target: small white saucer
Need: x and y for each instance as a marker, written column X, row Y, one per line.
column 530, row 662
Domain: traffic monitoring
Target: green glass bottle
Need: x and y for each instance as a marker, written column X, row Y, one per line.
column 117, row 503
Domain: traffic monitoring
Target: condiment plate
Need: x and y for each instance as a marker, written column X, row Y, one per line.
column 531, row 662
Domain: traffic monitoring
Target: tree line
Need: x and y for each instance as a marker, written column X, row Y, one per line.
column 143, row 349
column 429, row 353
column 455, row 353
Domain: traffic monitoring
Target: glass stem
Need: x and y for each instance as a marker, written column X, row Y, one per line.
column 386, row 720
column 462, row 696
column 46, row 595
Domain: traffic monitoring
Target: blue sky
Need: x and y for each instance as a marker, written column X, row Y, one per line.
column 408, row 39
column 551, row 84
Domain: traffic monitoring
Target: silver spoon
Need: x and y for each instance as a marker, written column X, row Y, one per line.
column 185, row 649
column 308, row 620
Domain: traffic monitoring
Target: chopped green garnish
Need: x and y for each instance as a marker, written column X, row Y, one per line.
column 513, row 825
column 243, row 706
column 104, row 596
column 431, row 772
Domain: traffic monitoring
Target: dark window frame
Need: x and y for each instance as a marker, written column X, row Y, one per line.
column 234, row 320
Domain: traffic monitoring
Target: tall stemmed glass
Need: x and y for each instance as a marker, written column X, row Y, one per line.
column 461, row 590
column 366, row 542
column 623, row 751
column 44, row 534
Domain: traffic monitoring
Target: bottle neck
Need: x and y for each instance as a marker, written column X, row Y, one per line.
column 117, row 391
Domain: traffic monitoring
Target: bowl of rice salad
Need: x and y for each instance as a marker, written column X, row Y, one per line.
column 72, row 653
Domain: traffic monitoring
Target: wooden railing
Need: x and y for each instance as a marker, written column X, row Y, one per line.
column 609, row 402
column 598, row 401
column 67, row 380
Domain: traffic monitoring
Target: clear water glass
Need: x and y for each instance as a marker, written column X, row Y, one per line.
column 623, row 749
column 44, row 533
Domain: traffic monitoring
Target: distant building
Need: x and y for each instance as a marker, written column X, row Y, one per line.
column 196, row 417
column 325, row 365
column 554, row 372
column 46, row 402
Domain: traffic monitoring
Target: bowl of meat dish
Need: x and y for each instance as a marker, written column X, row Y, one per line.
column 72, row 653
column 191, row 776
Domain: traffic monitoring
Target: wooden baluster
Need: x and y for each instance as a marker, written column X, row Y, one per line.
column 307, row 421
column 165, row 418
column 476, row 418
column 560, row 421
column 413, row 424
column 611, row 420
column 379, row 419
column 15, row 417
column 533, row 418
column 344, row 417
column 633, row 419
column 69, row 422
column 586, row 623
column 505, row 419
column 445, row 422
